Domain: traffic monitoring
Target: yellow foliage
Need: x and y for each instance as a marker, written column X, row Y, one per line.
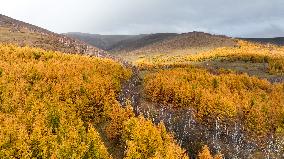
column 117, row 118
column 44, row 95
column 245, row 51
column 144, row 140
column 50, row 104
column 205, row 154
column 228, row 96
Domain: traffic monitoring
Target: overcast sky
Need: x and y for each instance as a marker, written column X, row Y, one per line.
column 238, row 18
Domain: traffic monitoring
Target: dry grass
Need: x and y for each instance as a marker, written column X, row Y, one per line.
column 134, row 57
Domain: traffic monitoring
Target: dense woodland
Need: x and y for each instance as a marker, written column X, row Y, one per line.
column 55, row 105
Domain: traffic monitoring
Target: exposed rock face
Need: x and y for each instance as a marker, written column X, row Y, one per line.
column 21, row 33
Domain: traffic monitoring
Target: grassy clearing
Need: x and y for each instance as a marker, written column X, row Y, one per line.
column 136, row 56
column 264, row 61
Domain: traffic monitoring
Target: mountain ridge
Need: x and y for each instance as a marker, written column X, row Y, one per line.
column 25, row 34
column 189, row 40
column 156, row 42
column 274, row 40
column 104, row 42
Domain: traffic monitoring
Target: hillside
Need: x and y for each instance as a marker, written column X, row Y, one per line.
column 170, row 44
column 275, row 41
column 154, row 43
column 104, row 42
column 24, row 34
column 121, row 43
column 187, row 40
column 140, row 42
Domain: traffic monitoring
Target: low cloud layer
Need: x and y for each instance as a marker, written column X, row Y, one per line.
column 241, row 18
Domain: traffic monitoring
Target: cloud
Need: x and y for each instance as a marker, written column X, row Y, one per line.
column 269, row 31
column 243, row 18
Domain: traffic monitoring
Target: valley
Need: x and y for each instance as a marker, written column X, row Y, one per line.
column 231, row 58
column 163, row 95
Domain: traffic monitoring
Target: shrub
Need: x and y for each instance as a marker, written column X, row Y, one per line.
column 227, row 97
column 53, row 105
column 205, row 154
column 46, row 103
column 143, row 140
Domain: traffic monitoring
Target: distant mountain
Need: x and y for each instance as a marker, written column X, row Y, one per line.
column 24, row 34
column 140, row 42
column 104, row 42
column 159, row 42
column 168, row 42
column 189, row 40
column 275, row 41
